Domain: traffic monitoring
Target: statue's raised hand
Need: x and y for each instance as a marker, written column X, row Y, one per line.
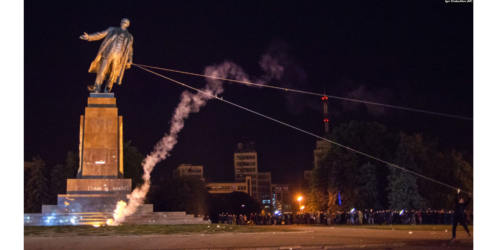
column 85, row 36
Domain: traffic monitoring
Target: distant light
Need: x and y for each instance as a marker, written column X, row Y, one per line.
column 100, row 162
column 243, row 205
column 352, row 210
column 400, row 213
column 276, row 212
column 300, row 198
column 302, row 208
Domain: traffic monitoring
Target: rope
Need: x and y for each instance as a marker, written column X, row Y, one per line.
column 312, row 93
column 301, row 130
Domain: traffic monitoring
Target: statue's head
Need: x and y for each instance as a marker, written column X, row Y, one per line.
column 125, row 23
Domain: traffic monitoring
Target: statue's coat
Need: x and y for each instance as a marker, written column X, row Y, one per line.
column 111, row 34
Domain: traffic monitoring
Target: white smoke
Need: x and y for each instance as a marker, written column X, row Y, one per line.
column 362, row 92
column 189, row 103
column 272, row 66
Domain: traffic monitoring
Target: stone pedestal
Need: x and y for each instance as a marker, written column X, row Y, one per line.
column 101, row 139
column 92, row 197
column 99, row 184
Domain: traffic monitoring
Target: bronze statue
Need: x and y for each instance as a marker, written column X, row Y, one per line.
column 114, row 56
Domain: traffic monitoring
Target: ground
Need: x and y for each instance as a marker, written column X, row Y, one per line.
column 249, row 237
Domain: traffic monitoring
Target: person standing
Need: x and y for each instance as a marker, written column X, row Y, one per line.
column 418, row 215
column 370, row 217
column 389, row 217
column 458, row 214
column 360, row 217
column 412, row 216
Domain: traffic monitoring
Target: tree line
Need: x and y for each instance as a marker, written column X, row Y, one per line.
column 43, row 184
column 343, row 179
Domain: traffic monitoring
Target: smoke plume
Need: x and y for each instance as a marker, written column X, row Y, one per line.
column 361, row 92
column 190, row 103
column 278, row 63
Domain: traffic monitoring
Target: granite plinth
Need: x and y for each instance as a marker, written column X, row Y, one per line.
column 73, row 203
column 54, row 209
column 101, row 144
column 101, row 139
column 73, row 219
column 102, row 95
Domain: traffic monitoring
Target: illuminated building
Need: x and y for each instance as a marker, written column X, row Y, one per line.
column 264, row 190
column 281, row 198
column 187, row 170
column 226, row 188
column 245, row 164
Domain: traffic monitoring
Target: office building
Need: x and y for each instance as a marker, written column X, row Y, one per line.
column 281, row 198
column 187, row 170
column 226, row 188
column 264, row 190
column 245, row 164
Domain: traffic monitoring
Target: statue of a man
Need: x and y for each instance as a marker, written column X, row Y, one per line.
column 114, row 56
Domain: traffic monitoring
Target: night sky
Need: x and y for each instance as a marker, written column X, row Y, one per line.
column 417, row 54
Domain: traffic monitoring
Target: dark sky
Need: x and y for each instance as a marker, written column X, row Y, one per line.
column 416, row 54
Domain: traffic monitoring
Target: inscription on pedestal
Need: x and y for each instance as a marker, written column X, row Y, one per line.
column 94, row 186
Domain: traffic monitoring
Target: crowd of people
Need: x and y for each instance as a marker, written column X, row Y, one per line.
column 353, row 217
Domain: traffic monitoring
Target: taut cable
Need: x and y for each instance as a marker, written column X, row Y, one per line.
column 312, row 93
column 301, row 130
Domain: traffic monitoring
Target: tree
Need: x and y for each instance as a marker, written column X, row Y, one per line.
column 240, row 203
column 58, row 181
column 132, row 164
column 374, row 139
column 341, row 170
column 72, row 165
column 344, row 178
column 359, row 179
column 60, row 174
column 27, row 175
column 368, row 188
column 451, row 168
column 38, row 192
column 181, row 194
column 403, row 188
column 318, row 185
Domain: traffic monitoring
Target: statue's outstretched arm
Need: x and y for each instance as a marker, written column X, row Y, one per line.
column 95, row 36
